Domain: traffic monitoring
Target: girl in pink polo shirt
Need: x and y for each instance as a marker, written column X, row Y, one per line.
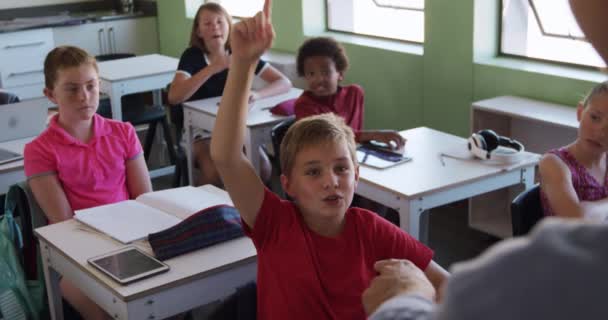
column 81, row 160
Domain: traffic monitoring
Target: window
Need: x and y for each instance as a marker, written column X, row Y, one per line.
column 236, row 8
column 393, row 19
column 546, row 30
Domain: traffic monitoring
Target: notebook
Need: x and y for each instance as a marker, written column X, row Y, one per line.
column 132, row 220
column 23, row 119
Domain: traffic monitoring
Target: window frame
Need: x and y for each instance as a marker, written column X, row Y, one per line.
column 502, row 53
column 369, row 36
column 232, row 15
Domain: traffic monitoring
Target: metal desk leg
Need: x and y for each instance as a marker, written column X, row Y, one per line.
column 409, row 217
column 115, row 101
column 157, row 97
column 527, row 177
column 188, row 133
column 252, row 154
column 51, row 278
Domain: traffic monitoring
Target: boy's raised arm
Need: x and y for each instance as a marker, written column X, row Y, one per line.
column 250, row 38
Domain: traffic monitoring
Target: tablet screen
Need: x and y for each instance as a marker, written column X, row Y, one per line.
column 128, row 265
column 379, row 159
column 8, row 156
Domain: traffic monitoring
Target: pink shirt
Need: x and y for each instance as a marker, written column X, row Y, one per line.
column 584, row 184
column 92, row 173
column 303, row 275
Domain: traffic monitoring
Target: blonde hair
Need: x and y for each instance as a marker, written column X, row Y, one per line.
column 600, row 88
column 195, row 40
column 315, row 130
column 65, row 57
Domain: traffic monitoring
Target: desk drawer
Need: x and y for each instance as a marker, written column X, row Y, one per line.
column 22, row 56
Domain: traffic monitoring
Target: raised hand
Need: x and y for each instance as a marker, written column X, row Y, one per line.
column 252, row 36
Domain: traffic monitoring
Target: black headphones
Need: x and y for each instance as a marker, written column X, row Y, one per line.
column 483, row 144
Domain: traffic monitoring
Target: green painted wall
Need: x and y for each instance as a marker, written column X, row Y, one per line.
column 405, row 90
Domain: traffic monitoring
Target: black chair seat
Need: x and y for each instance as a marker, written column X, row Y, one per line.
column 526, row 211
column 143, row 114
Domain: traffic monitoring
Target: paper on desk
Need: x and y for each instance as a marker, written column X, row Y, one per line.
column 126, row 221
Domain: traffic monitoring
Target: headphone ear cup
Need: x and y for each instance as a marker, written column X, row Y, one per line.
column 477, row 146
column 491, row 139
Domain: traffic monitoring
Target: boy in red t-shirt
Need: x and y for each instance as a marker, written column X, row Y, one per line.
column 322, row 62
column 315, row 255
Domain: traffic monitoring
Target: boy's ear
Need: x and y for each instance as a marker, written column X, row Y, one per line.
column 285, row 183
column 356, row 175
column 579, row 111
column 340, row 76
column 49, row 94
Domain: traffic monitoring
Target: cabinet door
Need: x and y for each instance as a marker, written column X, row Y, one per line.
column 91, row 37
column 138, row 36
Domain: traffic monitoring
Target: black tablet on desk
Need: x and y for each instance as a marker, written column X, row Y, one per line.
column 371, row 156
column 7, row 156
column 128, row 264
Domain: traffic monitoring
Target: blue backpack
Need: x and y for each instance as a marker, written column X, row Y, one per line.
column 22, row 289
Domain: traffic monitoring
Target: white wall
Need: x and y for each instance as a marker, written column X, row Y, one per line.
column 11, row 4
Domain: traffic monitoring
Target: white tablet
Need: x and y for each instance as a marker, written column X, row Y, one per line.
column 128, row 264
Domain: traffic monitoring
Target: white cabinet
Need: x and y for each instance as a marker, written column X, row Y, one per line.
column 22, row 57
column 138, row 36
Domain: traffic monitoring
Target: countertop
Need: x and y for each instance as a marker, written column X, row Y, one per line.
column 65, row 19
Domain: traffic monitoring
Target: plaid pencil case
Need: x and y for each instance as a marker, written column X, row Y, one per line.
column 202, row 229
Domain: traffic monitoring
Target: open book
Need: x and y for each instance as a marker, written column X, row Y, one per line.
column 131, row 220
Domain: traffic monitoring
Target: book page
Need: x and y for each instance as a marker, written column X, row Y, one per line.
column 183, row 202
column 126, row 221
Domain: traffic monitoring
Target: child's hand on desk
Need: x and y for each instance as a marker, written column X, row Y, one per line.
column 253, row 36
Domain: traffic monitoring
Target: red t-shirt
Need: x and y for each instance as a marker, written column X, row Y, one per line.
column 302, row 275
column 347, row 103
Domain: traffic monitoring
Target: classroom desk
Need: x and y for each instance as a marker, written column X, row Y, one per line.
column 425, row 183
column 195, row 279
column 202, row 113
column 12, row 172
column 132, row 75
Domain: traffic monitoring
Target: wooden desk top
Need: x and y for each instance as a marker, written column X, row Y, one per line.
column 140, row 66
column 523, row 108
column 425, row 173
column 184, row 268
column 258, row 115
column 15, row 146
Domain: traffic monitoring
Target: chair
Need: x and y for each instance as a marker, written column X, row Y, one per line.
column 137, row 112
column 276, row 137
column 8, row 97
column 176, row 113
column 526, row 211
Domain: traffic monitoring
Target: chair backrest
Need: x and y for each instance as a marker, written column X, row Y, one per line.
column 526, row 211
column 8, row 97
column 276, row 136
